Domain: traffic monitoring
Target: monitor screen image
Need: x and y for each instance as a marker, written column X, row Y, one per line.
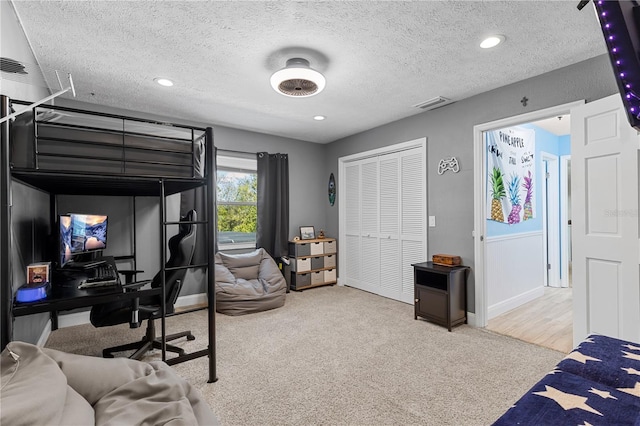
column 81, row 233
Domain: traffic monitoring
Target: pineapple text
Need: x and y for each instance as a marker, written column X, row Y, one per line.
column 511, row 140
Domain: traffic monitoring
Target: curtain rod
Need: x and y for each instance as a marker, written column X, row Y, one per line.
column 235, row 152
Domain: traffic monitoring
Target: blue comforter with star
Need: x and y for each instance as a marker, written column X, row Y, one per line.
column 598, row 383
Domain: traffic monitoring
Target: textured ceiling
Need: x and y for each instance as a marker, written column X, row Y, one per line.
column 379, row 58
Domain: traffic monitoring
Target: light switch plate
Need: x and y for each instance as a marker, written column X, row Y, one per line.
column 432, row 221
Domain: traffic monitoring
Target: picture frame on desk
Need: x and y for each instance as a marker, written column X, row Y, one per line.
column 307, row 233
column 39, row 273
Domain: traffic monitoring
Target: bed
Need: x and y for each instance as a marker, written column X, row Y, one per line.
column 68, row 151
column 55, row 138
column 598, row 383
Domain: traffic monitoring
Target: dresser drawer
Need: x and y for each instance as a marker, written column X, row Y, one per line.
column 317, row 277
column 330, row 246
column 301, row 265
column 330, row 275
column 317, row 262
column 329, row 261
column 300, row 249
column 300, row 280
column 317, row 248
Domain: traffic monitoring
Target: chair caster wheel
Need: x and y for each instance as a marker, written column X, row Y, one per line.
column 191, row 337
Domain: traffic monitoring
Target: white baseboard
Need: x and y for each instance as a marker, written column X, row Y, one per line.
column 192, row 299
column 79, row 318
column 471, row 319
column 45, row 335
column 514, row 302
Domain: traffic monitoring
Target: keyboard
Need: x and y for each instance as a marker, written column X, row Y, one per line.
column 104, row 275
column 96, row 284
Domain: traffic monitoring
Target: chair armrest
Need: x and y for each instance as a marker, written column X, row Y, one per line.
column 129, row 274
column 135, row 285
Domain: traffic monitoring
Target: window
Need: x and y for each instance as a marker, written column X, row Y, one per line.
column 237, row 188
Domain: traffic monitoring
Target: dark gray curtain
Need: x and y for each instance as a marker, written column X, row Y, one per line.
column 273, row 203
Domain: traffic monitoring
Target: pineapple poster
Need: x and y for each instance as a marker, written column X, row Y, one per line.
column 511, row 169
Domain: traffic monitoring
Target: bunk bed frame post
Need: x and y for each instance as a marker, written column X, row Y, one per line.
column 210, row 152
column 6, row 292
column 163, row 274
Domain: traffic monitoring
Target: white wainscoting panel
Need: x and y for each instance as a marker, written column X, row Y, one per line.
column 514, row 271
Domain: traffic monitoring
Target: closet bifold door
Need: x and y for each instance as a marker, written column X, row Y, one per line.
column 413, row 207
column 385, row 222
column 389, row 242
column 369, row 235
column 351, row 239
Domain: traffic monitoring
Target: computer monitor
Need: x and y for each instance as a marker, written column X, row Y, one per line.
column 80, row 234
column 620, row 24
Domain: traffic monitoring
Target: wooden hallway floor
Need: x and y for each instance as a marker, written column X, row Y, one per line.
column 546, row 321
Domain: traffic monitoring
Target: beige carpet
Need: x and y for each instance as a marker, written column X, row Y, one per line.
column 340, row 356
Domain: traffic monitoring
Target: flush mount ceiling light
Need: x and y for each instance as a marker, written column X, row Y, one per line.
column 297, row 79
column 319, row 117
column 163, row 81
column 492, row 41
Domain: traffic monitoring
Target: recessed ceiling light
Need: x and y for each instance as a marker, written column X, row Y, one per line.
column 319, row 117
column 492, row 41
column 163, row 81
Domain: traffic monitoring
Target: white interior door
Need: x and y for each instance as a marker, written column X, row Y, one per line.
column 551, row 219
column 604, row 190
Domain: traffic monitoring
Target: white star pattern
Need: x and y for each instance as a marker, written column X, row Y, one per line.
column 602, row 394
column 633, row 348
column 567, row 401
column 635, row 391
column 586, row 423
column 631, row 356
column 631, row 371
column 577, row 356
column 587, row 340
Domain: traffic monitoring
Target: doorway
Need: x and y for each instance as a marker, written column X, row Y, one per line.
column 554, row 217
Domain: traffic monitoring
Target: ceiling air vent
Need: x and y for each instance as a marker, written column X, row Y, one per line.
column 11, row 66
column 432, row 103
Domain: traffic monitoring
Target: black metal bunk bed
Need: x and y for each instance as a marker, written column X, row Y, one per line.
column 106, row 154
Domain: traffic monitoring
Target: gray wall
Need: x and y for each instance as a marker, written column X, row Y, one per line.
column 30, row 209
column 449, row 132
column 30, row 243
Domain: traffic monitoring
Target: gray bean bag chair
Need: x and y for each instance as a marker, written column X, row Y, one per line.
column 248, row 283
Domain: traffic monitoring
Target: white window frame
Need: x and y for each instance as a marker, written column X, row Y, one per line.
column 236, row 164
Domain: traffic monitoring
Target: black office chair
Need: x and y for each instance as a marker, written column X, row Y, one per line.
column 181, row 248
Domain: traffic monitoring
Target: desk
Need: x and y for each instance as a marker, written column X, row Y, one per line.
column 67, row 296
column 64, row 293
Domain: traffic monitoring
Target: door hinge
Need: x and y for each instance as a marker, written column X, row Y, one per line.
column 548, row 266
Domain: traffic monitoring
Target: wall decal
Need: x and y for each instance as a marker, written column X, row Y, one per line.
column 332, row 189
column 448, row 164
